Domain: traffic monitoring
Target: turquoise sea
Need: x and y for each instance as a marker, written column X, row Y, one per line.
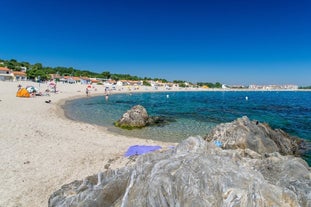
column 196, row 113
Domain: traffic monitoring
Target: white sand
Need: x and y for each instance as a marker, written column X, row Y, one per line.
column 41, row 150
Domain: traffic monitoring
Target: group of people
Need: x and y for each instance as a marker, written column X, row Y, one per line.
column 31, row 91
column 87, row 91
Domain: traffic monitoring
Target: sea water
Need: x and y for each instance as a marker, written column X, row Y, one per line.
column 196, row 113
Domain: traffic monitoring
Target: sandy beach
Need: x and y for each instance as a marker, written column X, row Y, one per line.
column 41, row 149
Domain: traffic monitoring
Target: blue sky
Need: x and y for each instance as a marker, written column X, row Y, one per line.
column 232, row 42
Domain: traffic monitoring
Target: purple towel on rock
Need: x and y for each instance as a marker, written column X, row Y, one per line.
column 140, row 149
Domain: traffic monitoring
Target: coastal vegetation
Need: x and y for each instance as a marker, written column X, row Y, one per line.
column 210, row 85
column 305, row 87
column 38, row 70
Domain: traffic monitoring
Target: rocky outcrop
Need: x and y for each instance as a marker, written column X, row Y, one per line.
column 137, row 117
column 197, row 173
column 259, row 137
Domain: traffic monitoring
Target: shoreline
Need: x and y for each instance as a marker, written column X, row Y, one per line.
column 117, row 132
column 41, row 149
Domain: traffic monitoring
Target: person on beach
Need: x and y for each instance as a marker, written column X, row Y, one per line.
column 87, row 91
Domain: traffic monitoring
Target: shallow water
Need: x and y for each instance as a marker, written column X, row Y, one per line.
column 195, row 113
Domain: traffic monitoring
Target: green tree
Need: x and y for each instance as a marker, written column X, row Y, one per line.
column 31, row 74
column 183, row 85
column 37, row 66
column 115, row 77
column 12, row 64
column 41, row 75
column 304, row 87
column 218, row 85
column 25, row 64
column 106, row 74
column 146, row 83
column 210, row 85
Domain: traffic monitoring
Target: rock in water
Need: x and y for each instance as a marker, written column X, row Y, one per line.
column 137, row 117
column 196, row 173
column 259, row 137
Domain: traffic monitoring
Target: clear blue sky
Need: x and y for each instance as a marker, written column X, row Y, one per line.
column 230, row 41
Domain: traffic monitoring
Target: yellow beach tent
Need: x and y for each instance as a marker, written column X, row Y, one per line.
column 22, row 93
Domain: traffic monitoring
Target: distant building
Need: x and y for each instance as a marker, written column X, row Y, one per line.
column 85, row 80
column 23, row 69
column 273, row 87
column 113, row 82
column 19, row 76
column 55, row 76
column 6, row 74
column 94, row 80
column 119, row 83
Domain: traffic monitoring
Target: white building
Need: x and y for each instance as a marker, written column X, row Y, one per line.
column 6, row 74
column 19, row 76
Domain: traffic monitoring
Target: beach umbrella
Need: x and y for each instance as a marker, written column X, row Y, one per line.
column 31, row 89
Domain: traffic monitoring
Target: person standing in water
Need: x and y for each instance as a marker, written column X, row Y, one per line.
column 87, row 91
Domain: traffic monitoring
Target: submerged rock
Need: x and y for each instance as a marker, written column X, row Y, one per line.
column 137, row 117
column 197, row 173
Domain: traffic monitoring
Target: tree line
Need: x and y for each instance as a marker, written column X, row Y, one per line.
column 37, row 70
column 210, row 85
column 304, row 87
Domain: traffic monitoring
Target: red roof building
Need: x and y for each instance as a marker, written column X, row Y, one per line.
column 5, row 74
column 4, row 70
column 19, row 76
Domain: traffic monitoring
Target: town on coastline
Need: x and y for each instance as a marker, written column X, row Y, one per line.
column 15, row 71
